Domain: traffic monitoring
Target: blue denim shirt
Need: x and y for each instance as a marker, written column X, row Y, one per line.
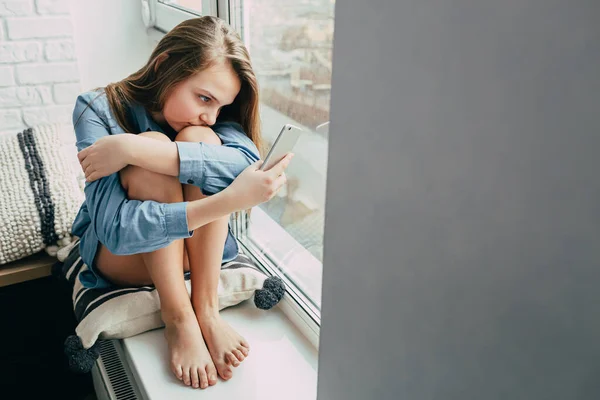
column 131, row 226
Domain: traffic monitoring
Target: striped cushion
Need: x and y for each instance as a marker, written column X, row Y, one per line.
column 117, row 312
column 39, row 191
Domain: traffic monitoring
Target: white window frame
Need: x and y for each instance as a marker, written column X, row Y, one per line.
column 297, row 307
column 166, row 16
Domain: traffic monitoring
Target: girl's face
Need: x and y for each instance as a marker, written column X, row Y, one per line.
column 198, row 99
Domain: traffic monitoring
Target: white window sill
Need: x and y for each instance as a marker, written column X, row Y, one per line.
column 282, row 362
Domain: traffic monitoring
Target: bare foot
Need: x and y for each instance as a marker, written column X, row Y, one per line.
column 190, row 360
column 227, row 348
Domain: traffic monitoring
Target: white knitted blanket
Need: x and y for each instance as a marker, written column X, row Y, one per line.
column 40, row 193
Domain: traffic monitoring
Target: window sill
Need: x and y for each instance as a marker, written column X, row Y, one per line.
column 281, row 360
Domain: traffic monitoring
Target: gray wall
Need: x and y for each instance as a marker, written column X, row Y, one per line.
column 462, row 232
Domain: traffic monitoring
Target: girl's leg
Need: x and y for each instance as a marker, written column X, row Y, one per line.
column 190, row 359
column 205, row 250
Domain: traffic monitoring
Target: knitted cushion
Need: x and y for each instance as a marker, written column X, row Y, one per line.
column 121, row 312
column 39, row 191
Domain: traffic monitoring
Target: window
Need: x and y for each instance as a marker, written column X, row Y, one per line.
column 171, row 12
column 290, row 42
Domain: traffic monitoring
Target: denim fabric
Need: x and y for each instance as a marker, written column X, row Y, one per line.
column 130, row 226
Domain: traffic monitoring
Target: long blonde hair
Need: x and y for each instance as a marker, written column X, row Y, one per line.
column 192, row 46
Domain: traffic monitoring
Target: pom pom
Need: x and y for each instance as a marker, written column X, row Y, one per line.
column 271, row 293
column 80, row 360
column 52, row 250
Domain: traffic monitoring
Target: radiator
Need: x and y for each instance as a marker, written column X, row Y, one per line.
column 113, row 378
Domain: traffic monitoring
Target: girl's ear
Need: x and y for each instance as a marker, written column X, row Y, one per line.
column 159, row 60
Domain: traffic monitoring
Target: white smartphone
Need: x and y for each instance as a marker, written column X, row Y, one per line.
column 285, row 142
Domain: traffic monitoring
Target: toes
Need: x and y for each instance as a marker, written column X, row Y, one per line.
column 186, row 376
column 203, row 378
column 177, row 371
column 232, row 359
column 212, row 374
column 239, row 355
column 194, row 377
column 225, row 372
column 244, row 351
column 245, row 343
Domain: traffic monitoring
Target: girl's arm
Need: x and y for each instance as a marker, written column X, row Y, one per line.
column 208, row 166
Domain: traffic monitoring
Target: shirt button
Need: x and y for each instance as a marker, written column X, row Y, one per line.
column 190, row 181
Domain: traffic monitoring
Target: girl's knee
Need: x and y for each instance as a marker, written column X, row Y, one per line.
column 198, row 134
column 141, row 184
column 155, row 135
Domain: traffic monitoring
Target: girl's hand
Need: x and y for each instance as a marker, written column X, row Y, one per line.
column 107, row 155
column 254, row 186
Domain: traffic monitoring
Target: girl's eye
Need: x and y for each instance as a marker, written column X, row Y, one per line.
column 204, row 98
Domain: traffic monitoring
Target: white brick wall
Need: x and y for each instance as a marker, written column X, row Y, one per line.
column 48, row 72
column 65, row 93
column 39, row 76
column 11, row 118
column 38, row 27
column 52, row 6
column 16, row 52
column 15, row 7
column 7, row 77
column 59, row 50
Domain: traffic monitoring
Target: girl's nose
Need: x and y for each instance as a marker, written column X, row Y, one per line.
column 209, row 118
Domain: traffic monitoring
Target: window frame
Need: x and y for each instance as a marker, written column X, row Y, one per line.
column 166, row 16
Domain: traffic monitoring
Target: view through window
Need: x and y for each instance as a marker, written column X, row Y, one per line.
column 290, row 42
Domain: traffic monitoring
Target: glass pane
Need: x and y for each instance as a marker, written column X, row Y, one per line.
column 290, row 42
column 190, row 5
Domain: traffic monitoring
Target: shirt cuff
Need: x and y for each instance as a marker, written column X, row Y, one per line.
column 191, row 162
column 176, row 221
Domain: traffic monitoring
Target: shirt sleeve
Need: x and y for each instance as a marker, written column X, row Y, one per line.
column 213, row 167
column 124, row 226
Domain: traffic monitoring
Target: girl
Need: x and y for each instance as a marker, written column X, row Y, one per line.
column 160, row 151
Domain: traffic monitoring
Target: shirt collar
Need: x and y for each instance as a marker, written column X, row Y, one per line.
column 144, row 122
